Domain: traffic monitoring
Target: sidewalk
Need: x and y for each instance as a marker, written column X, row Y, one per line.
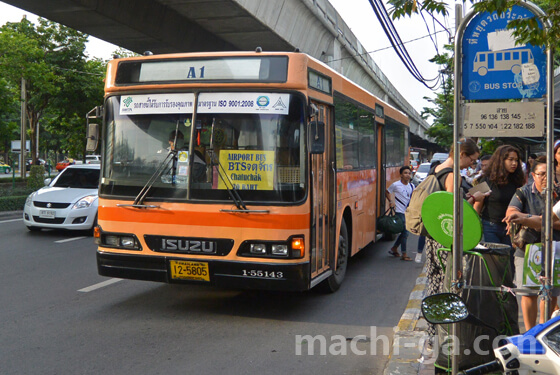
column 406, row 355
column 410, row 333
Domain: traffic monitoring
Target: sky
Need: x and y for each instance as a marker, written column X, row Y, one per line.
column 95, row 47
column 360, row 17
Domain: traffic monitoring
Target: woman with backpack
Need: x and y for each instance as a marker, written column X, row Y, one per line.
column 469, row 152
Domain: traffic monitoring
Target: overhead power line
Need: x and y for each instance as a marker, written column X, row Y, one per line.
column 398, row 45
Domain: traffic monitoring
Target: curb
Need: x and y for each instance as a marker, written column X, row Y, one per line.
column 6, row 215
column 410, row 335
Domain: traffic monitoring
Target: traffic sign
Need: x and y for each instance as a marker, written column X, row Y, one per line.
column 508, row 119
column 494, row 66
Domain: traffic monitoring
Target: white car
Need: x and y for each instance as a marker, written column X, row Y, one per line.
column 421, row 173
column 67, row 202
column 93, row 159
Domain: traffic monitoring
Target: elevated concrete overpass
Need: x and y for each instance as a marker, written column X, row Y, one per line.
column 167, row 26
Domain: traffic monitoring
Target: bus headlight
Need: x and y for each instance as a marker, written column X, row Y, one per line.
column 280, row 250
column 120, row 241
column 258, row 248
column 292, row 248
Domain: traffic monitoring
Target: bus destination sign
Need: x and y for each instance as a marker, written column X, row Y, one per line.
column 504, row 119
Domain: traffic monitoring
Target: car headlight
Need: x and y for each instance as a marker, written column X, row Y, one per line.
column 29, row 199
column 85, row 202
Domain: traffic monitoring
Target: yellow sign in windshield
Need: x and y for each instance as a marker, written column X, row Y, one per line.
column 248, row 170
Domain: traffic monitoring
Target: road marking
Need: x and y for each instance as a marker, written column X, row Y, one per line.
column 70, row 239
column 10, row 221
column 100, row 285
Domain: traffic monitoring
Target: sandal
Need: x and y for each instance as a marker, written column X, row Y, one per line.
column 405, row 257
column 394, row 253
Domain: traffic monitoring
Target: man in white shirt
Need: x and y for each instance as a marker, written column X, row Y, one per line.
column 398, row 195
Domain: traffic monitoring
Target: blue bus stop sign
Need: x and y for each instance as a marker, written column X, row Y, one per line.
column 494, row 67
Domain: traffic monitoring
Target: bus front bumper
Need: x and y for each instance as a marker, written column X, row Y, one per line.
column 227, row 274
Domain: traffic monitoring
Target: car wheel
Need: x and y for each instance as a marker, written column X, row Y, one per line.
column 90, row 231
column 34, row 229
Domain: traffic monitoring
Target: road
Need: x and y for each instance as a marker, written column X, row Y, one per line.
column 60, row 317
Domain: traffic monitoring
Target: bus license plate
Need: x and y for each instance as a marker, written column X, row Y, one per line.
column 184, row 270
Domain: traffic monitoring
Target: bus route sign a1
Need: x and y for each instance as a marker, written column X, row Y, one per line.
column 494, row 66
column 506, row 119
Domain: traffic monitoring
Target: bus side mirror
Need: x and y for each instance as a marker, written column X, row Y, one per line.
column 92, row 137
column 316, row 137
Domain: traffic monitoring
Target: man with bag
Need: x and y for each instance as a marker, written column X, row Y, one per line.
column 525, row 211
column 398, row 195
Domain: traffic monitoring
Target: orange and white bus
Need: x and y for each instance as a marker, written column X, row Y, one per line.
column 244, row 170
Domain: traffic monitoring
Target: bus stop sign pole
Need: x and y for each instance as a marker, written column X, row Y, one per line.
column 476, row 92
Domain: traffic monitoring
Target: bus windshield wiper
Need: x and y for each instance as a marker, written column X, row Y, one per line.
column 139, row 200
column 233, row 192
column 171, row 156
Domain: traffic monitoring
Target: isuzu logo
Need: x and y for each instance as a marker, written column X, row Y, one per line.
column 188, row 245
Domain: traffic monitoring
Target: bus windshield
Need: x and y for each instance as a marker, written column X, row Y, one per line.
column 232, row 144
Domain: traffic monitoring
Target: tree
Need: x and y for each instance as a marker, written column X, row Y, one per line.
column 442, row 129
column 61, row 83
column 9, row 118
column 525, row 31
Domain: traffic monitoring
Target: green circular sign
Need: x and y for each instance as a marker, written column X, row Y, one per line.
column 437, row 216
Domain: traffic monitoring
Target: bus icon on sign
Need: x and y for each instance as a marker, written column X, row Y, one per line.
column 503, row 60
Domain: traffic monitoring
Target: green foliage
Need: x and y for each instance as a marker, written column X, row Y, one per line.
column 12, row 198
column 14, row 203
column 36, row 177
column 488, row 146
column 525, row 31
column 62, row 84
column 442, row 112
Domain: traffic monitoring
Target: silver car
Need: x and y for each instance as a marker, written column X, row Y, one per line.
column 421, row 173
column 67, row 202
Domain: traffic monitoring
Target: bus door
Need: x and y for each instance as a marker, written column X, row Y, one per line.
column 381, row 169
column 323, row 195
column 491, row 61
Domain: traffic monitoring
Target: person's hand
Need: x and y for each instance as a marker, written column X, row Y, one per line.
column 479, row 196
column 515, row 217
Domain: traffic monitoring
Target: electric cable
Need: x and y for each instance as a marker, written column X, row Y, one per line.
column 395, row 40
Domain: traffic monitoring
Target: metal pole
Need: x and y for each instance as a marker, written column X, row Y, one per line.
column 22, row 153
column 548, row 260
column 457, row 195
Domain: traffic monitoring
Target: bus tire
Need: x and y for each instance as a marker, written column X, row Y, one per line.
column 516, row 69
column 334, row 281
column 482, row 71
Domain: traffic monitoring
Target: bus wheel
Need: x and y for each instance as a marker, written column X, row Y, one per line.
column 482, row 71
column 334, row 281
column 516, row 69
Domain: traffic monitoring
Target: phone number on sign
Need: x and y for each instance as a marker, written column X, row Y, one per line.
column 506, row 126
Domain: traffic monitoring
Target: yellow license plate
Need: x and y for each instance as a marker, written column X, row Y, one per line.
column 184, row 270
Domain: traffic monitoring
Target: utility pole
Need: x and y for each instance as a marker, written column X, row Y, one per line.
column 23, row 148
